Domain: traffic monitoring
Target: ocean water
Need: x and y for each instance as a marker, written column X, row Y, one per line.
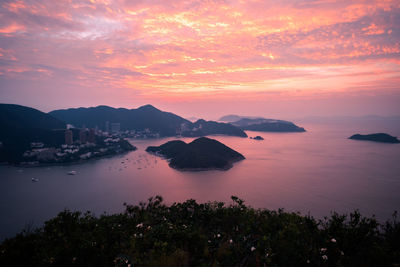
column 315, row 172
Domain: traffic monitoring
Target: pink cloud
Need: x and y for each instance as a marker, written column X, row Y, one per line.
column 190, row 49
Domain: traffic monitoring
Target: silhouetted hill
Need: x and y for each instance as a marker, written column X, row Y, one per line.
column 25, row 117
column 22, row 125
column 145, row 117
column 233, row 118
column 202, row 128
column 201, row 154
column 267, row 125
column 376, row 137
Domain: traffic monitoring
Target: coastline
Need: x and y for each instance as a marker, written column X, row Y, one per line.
column 39, row 165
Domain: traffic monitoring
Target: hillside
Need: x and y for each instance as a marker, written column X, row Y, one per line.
column 376, row 137
column 142, row 118
column 22, row 125
column 204, row 234
column 16, row 116
column 145, row 117
column 267, row 125
column 202, row 128
column 201, row 154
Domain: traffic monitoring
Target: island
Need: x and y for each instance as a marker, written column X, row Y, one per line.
column 200, row 155
column 376, row 137
column 249, row 123
column 267, row 125
column 260, row 138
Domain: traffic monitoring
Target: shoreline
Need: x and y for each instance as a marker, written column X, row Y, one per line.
column 54, row 164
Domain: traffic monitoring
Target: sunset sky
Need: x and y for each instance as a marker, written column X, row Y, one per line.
column 203, row 58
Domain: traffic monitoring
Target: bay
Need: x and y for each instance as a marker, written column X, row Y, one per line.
column 315, row 172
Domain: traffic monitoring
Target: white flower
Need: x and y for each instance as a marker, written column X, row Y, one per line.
column 230, row 241
column 140, row 235
column 148, row 227
column 308, row 261
column 209, row 241
column 342, row 253
column 323, row 249
column 140, row 225
column 324, row 257
column 218, row 235
column 253, row 248
column 333, row 240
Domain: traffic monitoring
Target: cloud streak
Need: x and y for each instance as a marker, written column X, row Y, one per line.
column 183, row 50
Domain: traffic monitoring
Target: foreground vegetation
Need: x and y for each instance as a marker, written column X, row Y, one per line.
column 211, row 234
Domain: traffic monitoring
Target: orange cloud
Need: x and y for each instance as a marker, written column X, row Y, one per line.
column 187, row 49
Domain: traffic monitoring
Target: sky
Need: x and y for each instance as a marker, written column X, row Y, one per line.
column 203, row 58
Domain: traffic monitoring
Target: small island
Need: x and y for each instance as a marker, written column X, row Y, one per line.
column 376, row 137
column 260, row 138
column 200, row 155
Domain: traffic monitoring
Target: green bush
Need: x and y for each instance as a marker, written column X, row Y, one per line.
column 210, row 234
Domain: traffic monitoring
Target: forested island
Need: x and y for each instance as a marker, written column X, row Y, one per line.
column 199, row 155
column 261, row 124
column 209, row 234
column 376, row 137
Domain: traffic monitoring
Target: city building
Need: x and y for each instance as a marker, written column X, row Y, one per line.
column 83, row 136
column 69, row 139
column 92, row 136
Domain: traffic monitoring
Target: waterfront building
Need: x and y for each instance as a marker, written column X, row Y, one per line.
column 69, row 139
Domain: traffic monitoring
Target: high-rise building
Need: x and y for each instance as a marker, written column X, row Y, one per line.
column 92, row 136
column 83, row 136
column 69, row 139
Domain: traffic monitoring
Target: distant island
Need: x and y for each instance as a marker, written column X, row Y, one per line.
column 260, row 138
column 261, row 124
column 199, row 155
column 233, row 118
column 376, row 137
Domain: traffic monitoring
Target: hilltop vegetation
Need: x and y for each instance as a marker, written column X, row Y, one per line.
column 22, row 125
column 201, row 154
column 376, row 137
column 211, row 234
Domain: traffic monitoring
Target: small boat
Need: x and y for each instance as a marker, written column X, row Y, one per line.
column 35, row 180
column 72, row 173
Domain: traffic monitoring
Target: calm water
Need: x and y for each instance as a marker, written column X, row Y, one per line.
column 317, row 172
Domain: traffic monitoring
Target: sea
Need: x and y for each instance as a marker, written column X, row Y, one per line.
column 315, row 173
